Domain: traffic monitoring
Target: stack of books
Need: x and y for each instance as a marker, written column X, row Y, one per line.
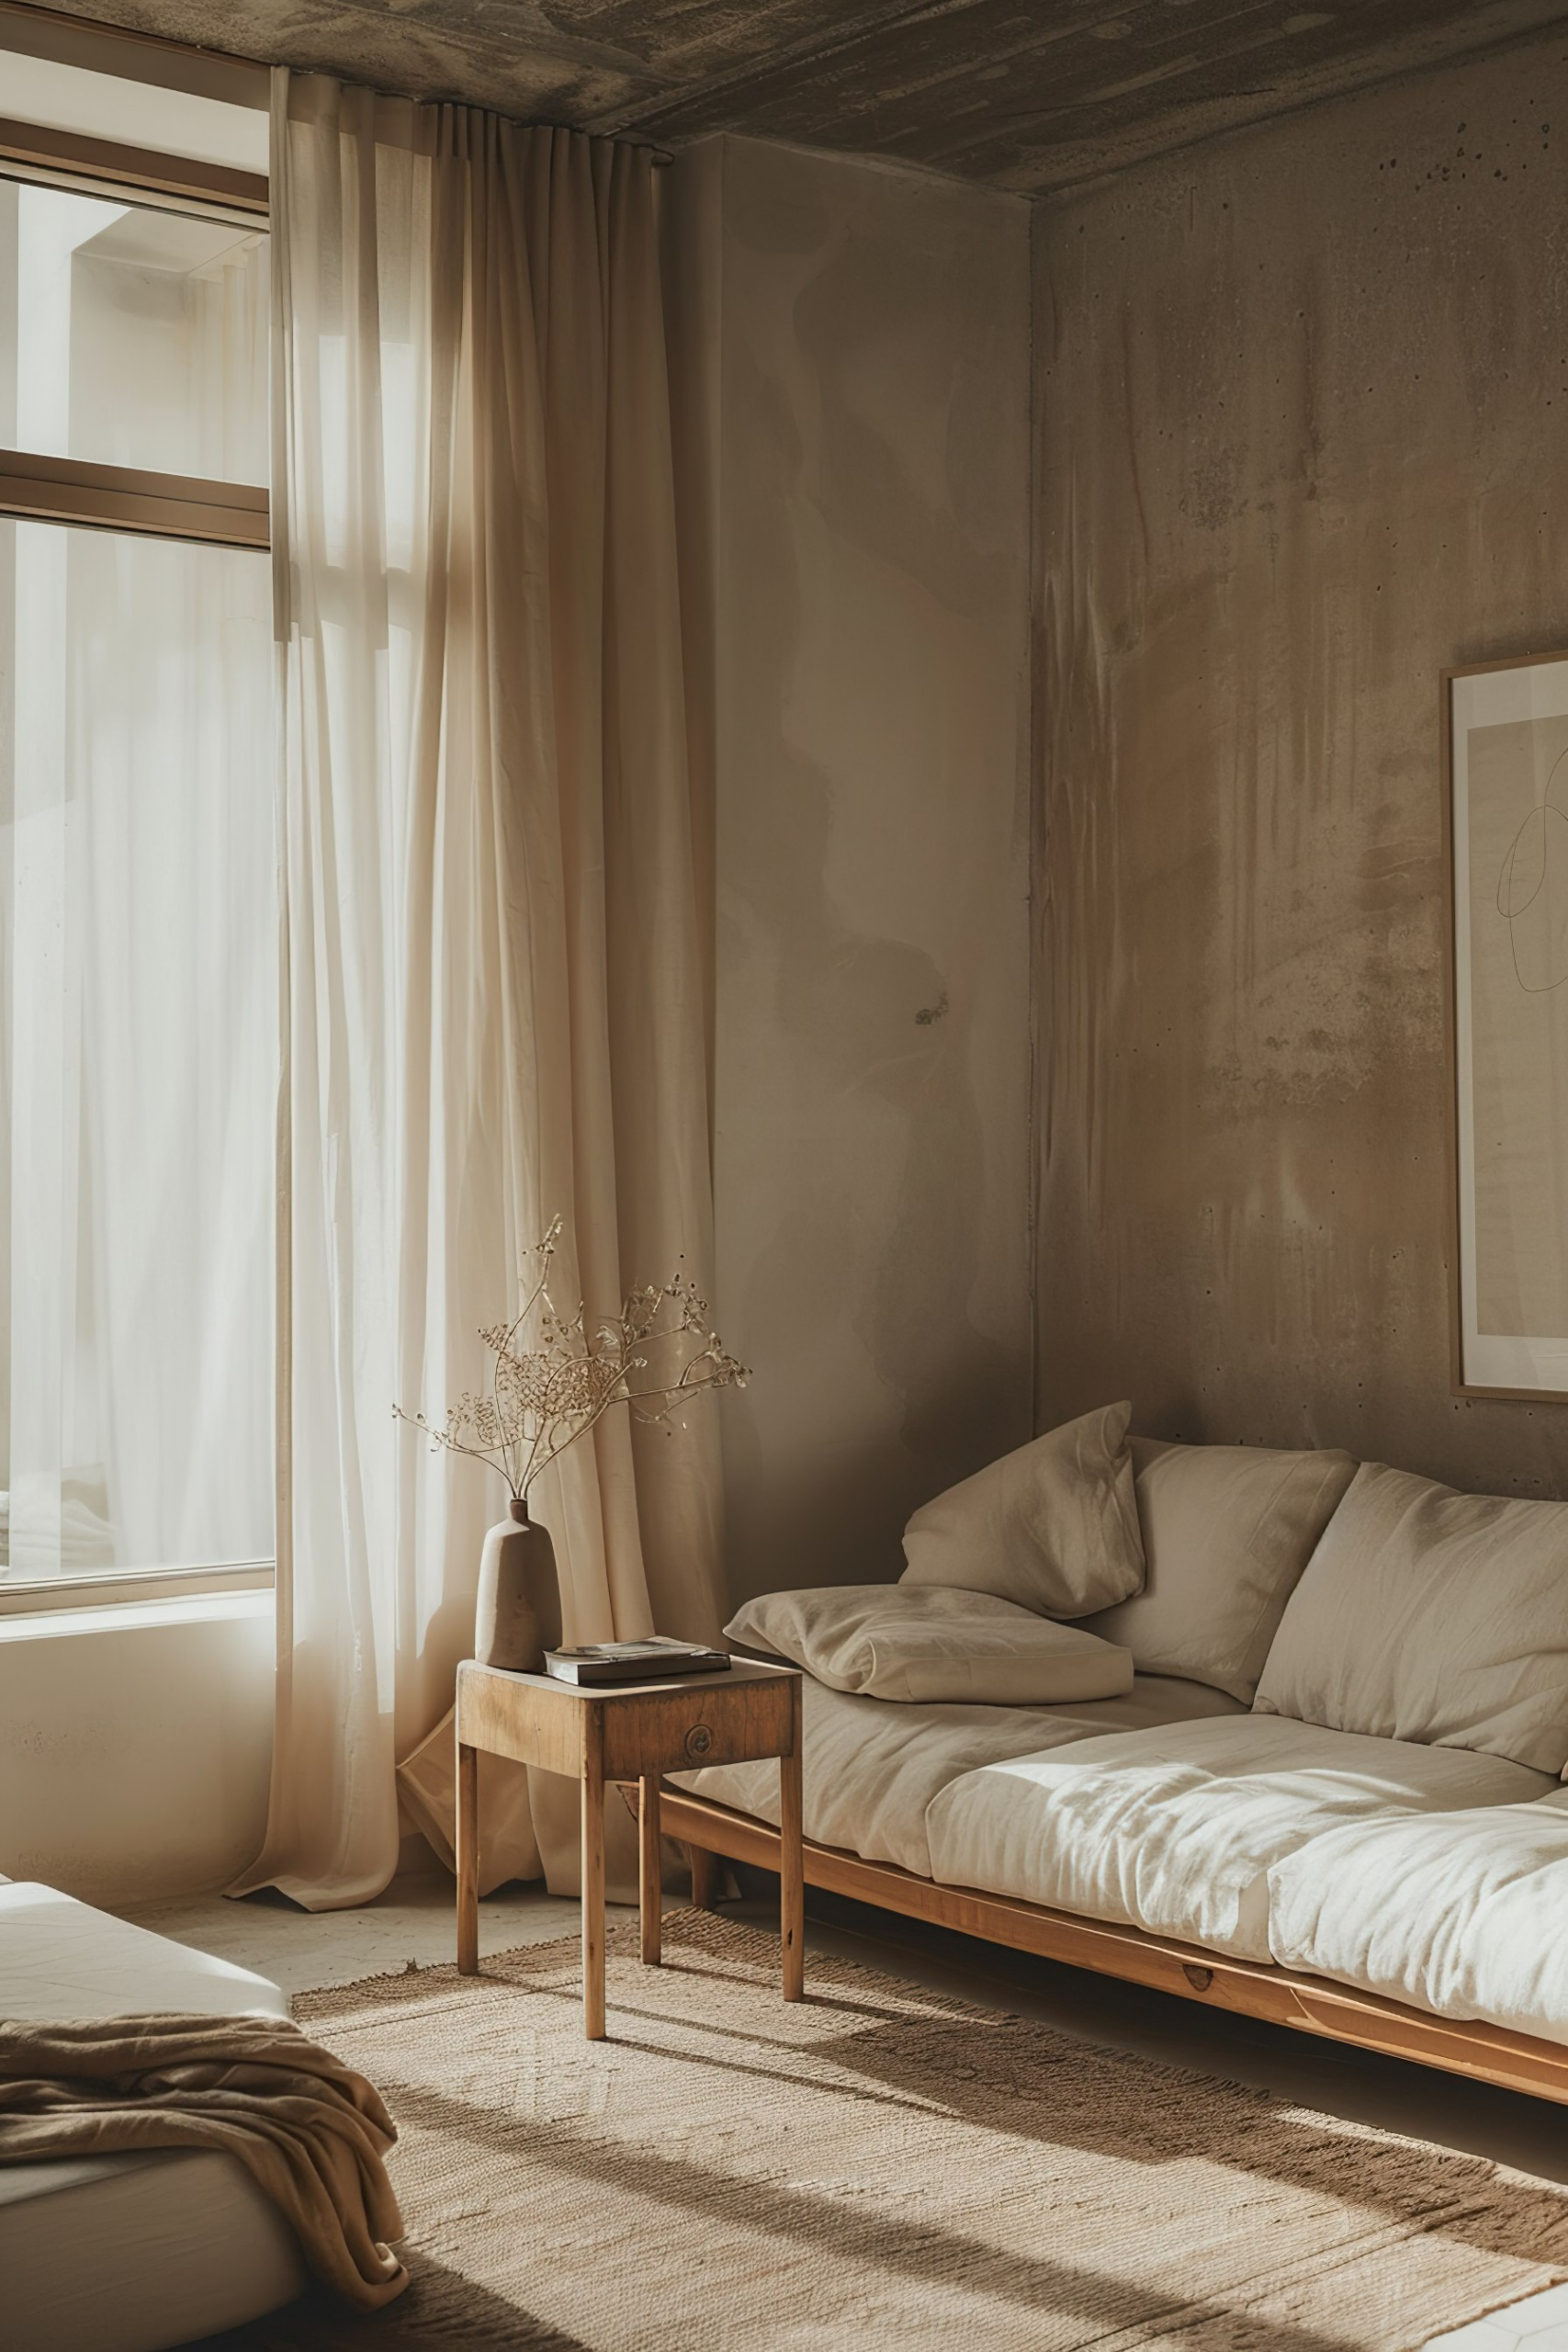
column 654, row 1660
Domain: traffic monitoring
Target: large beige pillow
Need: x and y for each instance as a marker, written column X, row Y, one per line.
column 920, row 1643
column 1053, row 1527
column 1428, row 1615
column 1227, row 1530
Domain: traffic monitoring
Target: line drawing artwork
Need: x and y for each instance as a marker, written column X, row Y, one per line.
column 1524, row 870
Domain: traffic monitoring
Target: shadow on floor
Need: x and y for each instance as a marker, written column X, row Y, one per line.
column 1475, row 2118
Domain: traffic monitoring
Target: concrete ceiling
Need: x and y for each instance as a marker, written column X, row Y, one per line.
column 1030, row 95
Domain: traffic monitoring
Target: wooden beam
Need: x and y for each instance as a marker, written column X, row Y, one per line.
column 132, row 56
column 42, row 489
column 72, row 156
column 1488, row 2054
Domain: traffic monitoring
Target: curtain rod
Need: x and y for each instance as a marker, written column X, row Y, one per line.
column 93, row 46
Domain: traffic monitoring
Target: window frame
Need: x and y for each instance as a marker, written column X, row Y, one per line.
column 75, row 495
column 125, row 498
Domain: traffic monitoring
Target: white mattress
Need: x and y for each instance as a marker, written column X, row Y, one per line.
column 60, row 1958
column 1176, row 1829
column 126, row 2253
column 872, row 1766
column 1464, row 1914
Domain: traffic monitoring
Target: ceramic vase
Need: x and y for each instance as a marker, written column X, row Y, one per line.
column 518, row 1616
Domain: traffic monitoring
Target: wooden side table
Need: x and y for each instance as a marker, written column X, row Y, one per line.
column 633, row 1733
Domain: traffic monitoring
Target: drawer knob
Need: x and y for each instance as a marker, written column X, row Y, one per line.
column 699, row 1739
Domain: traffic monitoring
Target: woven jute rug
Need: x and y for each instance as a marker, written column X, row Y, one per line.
column 878, row 2166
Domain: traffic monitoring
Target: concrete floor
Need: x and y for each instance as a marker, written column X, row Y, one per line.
column 412, row 1924
column 301, row 1950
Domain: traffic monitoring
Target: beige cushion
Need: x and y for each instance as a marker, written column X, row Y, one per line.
column 1430, row 1615
column 871, row 1770
column 922, row 1643
column 1053, row 1527
column 1477, row 1926
column 1175, row 1830
column 1227, row 1530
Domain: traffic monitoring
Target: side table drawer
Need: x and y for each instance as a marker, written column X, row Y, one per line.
column 676, row 1730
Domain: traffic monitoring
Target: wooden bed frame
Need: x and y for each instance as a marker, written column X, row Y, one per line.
column 1486, row 2053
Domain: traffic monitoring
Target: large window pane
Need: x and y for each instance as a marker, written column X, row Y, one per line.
column 138, row 1053
column 130, row 336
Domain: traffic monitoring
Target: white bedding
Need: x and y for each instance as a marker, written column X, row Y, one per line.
column 1175, row 1829
column 1464, row 1914
column 872, row 1766
column 124, row 2253
column 60, row 1958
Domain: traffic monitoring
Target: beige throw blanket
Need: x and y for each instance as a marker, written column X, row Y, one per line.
column 311, row 2133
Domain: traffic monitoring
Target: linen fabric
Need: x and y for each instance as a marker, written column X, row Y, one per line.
column 1227, row 1529
column 1053, row 1526
column 920, row 1642
column 1175, row 1829
column 311, row 2133
column 1431, row 1615
column 497, row 951
column 1462, row 1914
column 871, row 1770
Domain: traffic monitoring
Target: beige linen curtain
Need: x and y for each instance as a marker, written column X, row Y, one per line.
column 495, row 955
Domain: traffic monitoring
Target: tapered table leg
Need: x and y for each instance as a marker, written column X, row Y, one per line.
column 467, row 1859
column 792, row 1867
column 648, row 1890
column 592, row 1876
column 704, row 1877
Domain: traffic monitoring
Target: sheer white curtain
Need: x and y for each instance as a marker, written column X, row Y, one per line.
column 138, row 914
column 494, row 942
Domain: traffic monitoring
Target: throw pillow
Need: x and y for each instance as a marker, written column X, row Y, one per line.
column 921, row 1644
column 1227, row 1530
column 1433, row 1616
column 1053, row 1526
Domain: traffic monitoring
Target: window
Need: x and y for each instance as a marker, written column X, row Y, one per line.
column 137, row 903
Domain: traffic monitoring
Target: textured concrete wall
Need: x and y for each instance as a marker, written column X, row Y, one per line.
column 1304, row 438
column 872, row 1064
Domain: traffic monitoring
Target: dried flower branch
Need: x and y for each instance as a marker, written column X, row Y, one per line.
column 543, row 1398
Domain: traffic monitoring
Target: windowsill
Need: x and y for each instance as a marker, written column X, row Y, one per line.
column 136, row 1616
column 128, row 1588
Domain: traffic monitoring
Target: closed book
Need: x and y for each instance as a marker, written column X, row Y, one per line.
column 654, row 1660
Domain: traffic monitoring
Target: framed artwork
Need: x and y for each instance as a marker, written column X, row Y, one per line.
column 1506, row 727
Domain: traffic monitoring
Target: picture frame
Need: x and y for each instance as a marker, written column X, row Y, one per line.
column 1505, row 737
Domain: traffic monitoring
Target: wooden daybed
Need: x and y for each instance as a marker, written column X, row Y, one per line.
column 1484, row 2052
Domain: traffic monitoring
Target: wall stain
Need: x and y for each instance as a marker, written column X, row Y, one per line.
column 1300, row 424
